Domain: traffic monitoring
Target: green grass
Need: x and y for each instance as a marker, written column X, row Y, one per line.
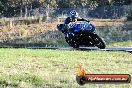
column 120, row 44
column 34, row 68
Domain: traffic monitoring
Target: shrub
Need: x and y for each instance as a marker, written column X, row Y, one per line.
column 22, row 32
column 129, row 16
column 44, row 18
column 3, row 22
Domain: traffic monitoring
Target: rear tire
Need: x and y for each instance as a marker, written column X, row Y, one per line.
column 72, row 43
column 75, row 45
column 99, row 42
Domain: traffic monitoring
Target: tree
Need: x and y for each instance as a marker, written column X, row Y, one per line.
column 120, row 2
column 10, row 8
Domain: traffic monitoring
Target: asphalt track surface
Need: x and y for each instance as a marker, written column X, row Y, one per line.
column 126, row 49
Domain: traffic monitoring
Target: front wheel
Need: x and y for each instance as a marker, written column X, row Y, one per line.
column 99, row 42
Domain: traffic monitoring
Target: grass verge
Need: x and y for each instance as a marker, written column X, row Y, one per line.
column 34, row 68
column 120, row 44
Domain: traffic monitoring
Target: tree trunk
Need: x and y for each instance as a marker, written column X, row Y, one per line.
column 26, row 11
column 21, row 12
column 30, row 10
column 47, row 12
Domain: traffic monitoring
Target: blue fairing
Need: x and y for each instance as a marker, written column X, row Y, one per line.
column 84, row 26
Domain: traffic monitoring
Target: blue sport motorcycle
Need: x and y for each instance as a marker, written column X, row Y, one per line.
column 81, row 34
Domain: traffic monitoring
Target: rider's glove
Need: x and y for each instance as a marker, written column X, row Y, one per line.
column 65, row 27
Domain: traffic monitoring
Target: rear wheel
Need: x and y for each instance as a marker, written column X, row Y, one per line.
column 73, row 43
column 98, row 42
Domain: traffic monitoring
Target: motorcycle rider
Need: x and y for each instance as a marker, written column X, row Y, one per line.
column 71, row 35
column 73, row 17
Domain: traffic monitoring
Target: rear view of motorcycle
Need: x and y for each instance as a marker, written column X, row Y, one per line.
column 81, row 34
